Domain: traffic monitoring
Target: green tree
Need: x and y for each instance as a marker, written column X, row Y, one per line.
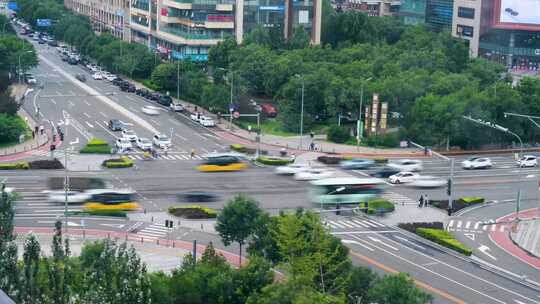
column 10, row 128
column 361, row 281
column 251, row 278
column 258, row 35
column 215, row 97
column 31, row 291
column 237, row 221
column 289, row 293
column 300, row 38
column 9, row 271
column 397, row 289
column 219, row 55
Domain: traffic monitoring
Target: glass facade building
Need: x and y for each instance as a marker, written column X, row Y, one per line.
column 439, row 14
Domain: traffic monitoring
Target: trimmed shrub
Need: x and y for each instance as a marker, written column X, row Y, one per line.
column 444, row 238
column 471, row 200
column 193, row 212
column 46, row 164
column 97, row 146
column 272, row 161
column 389, row 140
column 380, row 206
column 239, row 148
column 329, row 160
column 338, row 134
column 457, row 204
column 122, row 162
column 14, row 166
column 114, row 213
column 411, row 227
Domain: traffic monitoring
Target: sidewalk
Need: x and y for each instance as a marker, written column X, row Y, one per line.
column 203, row 225
column 527, row 236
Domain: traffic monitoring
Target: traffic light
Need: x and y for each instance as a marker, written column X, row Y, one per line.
column 449, row 187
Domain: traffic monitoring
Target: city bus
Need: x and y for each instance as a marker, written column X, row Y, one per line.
column 110, row 200
column 221, row 162
column 345, row 190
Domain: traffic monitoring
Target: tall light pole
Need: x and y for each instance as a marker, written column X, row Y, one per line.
column 20, row 70
column 230, row 70
column 359, row 127
column 178, row 80
column 496, row 127
column 66, row 177
column 301, row 112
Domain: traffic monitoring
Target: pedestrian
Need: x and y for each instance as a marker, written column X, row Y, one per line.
column 26, row 120
column 36, row 128
column 165, row 150
column 192, row 153
column 311, row 135
column 426, row 200
column 33, row 134
column 421, row 201
column 41, row 128
column 312, row 146
column 196, row 109
column 293, row 157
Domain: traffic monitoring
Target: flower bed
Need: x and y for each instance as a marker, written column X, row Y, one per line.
column 193, row 212
column 14, row 166
column 411, row 227
column 444, row 238
column 122, row 162
column 379, row 206
column 97, row 146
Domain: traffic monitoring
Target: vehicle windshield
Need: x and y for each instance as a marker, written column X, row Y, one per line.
column 163, row 138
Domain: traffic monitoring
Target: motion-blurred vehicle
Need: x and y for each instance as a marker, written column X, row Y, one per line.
column 116, row 125
column 403, row 177
column 73, row 197
column 291, row 169
column 409, row 165
column 80, row 77
column 129, row 134
column 207, row 121
column 110, row 77
column 385, row 172
column 221, row 163
column 30, row 78
column 144, row 143
column 123, row 144
column 177, row 107
column 357, row 163
column 161, row 141
column 477, row 163
column 150, row 110
column 142, row 92
column 527, row 161
column 428, row 182
column 97, row 76
column 118, row 81
column 110, row 200
column 313, row 174
column 195, row 117
column 269, row 110
column 197, row 197
column 345, row 190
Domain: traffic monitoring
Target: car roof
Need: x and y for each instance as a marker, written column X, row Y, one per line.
column 345, row 181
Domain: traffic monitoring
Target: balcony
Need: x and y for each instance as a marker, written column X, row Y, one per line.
column 185, row 37
column 138, row 11
column 224, row 7
column 219, row 25
column 178, row 4
column 169, row 19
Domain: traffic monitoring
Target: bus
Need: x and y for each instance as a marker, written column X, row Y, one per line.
column 110, row 200
column 345, row 190
column 221, row 162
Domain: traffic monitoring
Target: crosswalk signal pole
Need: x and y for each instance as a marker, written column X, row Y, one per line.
column 449, row 187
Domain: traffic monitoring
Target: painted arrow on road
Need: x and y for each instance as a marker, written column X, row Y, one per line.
column 76, row 141
column 357, row 243
column 73, row 224
column 484, row 249
column 470, row 235
column 376, row 240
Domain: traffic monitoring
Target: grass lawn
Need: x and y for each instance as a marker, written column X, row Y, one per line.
column 268, row 126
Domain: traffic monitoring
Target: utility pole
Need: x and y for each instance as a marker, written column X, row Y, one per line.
column 178, row 80
column 359, row 125
column 450, row 185
column 301, row 111
column 66, row 180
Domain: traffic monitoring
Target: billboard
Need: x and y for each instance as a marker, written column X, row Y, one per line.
column 517, row 14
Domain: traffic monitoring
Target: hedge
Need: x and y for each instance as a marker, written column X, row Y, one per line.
column 411, row 227
column 274, row 161
column 457, row 204
column 114, row 213
column 193, row 212
column 380, row 206
column 239, row 148
column 380, row 160
column 14, row 166
column 444, row 238
column 97, row 146
column 471, row 200
column 338, row 134
column 122, row 162
column 46, row 164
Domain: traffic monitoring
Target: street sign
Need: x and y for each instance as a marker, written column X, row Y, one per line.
column 44, row 22
column 12, row 6
column 236, row 114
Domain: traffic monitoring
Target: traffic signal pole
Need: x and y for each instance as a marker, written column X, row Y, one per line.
column 449, row 186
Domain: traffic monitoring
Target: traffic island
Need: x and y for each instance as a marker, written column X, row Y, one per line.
column 443, row 238
column 122, row 162
column 193, row 212
column 96, row 146
column 50, row 164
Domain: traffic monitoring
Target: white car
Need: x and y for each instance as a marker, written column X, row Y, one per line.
column 30, row 79
column 177, row 107
column 403, row 177
column 110, row 77
column 161, row 141
column 291, row 169
column 73, row 197
column 527, row 161
column 207, row 121
column 407, row 165
column 144, row 144
column 150, row 110
column 123, row 144
column 97, row 76
column 130, row 135
column 428, row 182
column 195, row 117
column 313, row 174
column 477, row 163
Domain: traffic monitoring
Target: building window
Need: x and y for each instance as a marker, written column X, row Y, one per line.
column 464, row 31
column 466, row 12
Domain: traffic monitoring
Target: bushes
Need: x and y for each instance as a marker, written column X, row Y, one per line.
column 458, row 204
column 97, row 146
column 122, row 162
column 193, row 212
column 338, row 134
column 272, row 161
column 46, row 164
column 14, row 166
column 380, row 206
column 389, row 140
column 113, row 213
column 444, row 238
column 11, row 127
column 472, row 200
column 380, row 160
column 411, row 227
column 239, row 148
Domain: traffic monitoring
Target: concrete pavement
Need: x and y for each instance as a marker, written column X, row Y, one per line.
column 527, row 236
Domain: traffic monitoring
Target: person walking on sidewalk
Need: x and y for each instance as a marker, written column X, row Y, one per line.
column 426, row 200
column 421, row 201
column 41, row 128
column 192, row 153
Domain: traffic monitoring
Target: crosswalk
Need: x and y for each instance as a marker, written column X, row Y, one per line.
column 475, row 226
column 355, row 223
column 57, row 154
column 172, row 157
column 397, row 198
column 153, row 231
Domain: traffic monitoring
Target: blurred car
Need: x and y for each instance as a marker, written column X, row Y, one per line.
column 80, row 77
column 527, row 161
column 30, row 79
column 177, row 107
column 385, row 172
column 291, row 169
column 197, row 197
column 123, row 144
column 269, row 110
column 52, row 42
column 357, row 163
column 153, row 96
column 150, row 110
column 116, row 125
column 110, row 77
column 407, row 165
column 207, row 121
column 144, row 144
column 127, row 87
column 221, row 162
column 313, row 174
column 118, row 81
column 41, row 41
column 195, row 117
column 129, row 134
column 142, row 92
column 97, row 76
column 403, row 177
column 477, row 163
column 161, row 141
column 428, row 182
column 59, row 196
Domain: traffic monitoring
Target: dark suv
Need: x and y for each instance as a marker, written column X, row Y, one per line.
column 142, row 92
column 165, row 100
column 116, row 125
column 127, row 87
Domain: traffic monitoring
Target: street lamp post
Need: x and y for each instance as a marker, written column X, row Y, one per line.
column 301, row 112
column 360, row 113
column 20, row 63
column 497, row 127
column 66, row 178
column 178, row 80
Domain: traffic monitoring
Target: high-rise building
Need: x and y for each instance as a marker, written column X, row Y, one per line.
column 105, row 15
column 437, row 14
column 374, row 7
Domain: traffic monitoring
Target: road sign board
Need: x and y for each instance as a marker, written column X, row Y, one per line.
column 43, row 22
column 236, row 114
column 12, row 6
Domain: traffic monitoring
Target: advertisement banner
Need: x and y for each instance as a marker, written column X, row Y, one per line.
column 517, row 14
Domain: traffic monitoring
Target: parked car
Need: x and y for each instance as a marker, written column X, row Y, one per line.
column 142, row 92
column 72, row 60
column 144, row 143
column 118, row 81
column 127, row 87
column 403, row 177
column 41, row 41
column 428, row 182
column 150, row 110
column 30, row 79
column 153, row 96
column 313, row 174
column 177, row 107
column 123, row 144
column 161, row 141
column 52, row 43
column 357, row 163
column 97, row 76
column 80, row 77
column 165, row 100
column 195, row 117
column 477, row 163
column 207, row 121
column 110, row 77
column 129, row 134
column 407, row 165
column 291, row 169
column 269, row 110
column 527, row 161
column 116, row 125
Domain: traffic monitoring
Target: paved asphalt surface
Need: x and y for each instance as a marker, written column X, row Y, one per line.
column 450, row 279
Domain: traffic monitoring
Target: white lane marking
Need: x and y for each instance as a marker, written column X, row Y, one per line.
column 468, row 224
column 376, row 223
column 185, row 157
column 174, row 122
column 201, row 136
column 346, row 224
column 58, row 93
column 180, row 136
column 89, row 124
column 450, row 224
column 361, row 223
column 86, row 102
column 484, row 249
column 357, row 243
column 71, row 103
column 477, row 225
column 470, row 236
column 157, row 123
column 458, row 224
column 336, row 224
column 411, row 242
column 204, row 150
column 76, row 141
column 86, row 114
column 129, row 97
column 103, row 114
column 53, row 101
column 376, row 240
